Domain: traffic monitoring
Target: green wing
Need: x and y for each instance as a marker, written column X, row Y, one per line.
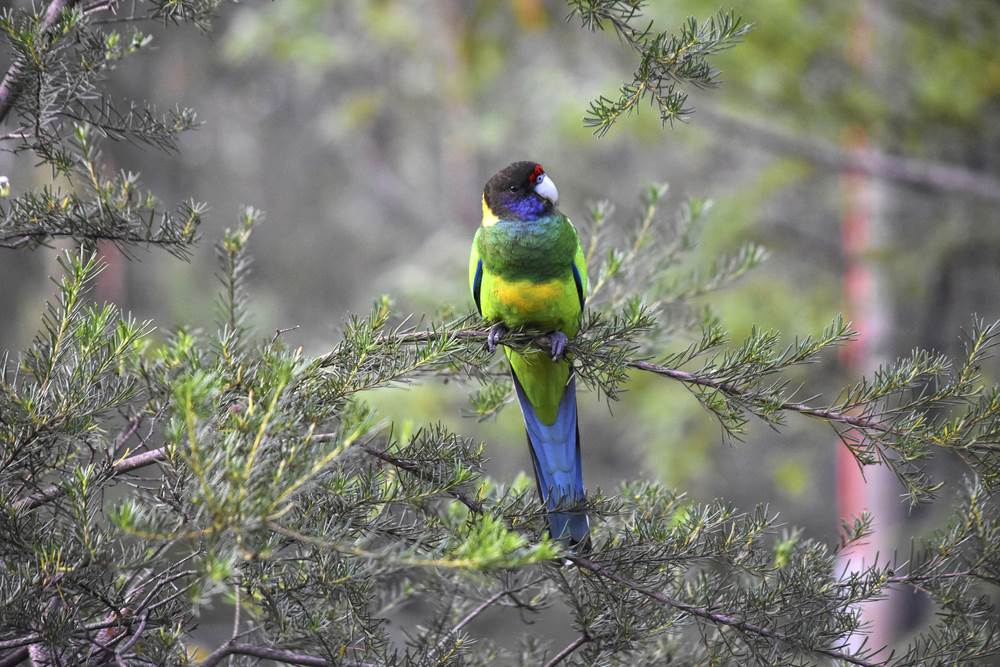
column 476, row 272
column 580, row 270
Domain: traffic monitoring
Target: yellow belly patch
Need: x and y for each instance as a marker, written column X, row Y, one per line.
column 528, row 297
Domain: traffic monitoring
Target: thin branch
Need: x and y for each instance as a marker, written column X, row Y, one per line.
column 130, row 428
column 686, row 377
column 869, row 161
column 826, row 414
column 144, row 459
column 264, row 653
column 15, row 657
column 129, row 464
column 735, row 391
column 277, row 655
column 116, row 619
column 236, row 611
column 15, row 240
column 136, row 635
column 10, row 87
column 279, row 332
column 34, row 637
column 23, row 133
column 729, row 389
column 472, row 615
column 457, row 494
column 715, row 617
column 100, row 6
column 110, row 648
column 568, row 649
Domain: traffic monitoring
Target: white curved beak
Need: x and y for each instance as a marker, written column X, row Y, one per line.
column 547, row 189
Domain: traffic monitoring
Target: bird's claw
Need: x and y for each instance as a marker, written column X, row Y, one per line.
column 497, row 331
column 557, row 344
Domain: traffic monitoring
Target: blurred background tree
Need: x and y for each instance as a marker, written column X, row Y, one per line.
column 368, row 129
column 411, row 106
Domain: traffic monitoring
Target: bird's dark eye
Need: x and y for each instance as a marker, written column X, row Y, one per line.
column 513, row 188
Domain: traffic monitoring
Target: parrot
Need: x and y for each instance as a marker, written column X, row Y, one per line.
column 527, row 269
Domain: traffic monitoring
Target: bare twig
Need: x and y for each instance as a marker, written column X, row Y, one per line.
column 264, row 653
column 22, row 133
column 136, row 635
column 279, row 332
column 129, row 464
column 872, row 162
column 236, row 611
column 472, row 615
column 101, row 6
column 568, row 650
column 15, row 657
column 34, row 638
column 130, row 428
column 277, row 655
column 108, row 647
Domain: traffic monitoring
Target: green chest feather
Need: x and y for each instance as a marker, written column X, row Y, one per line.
column 540, row 250
column 528, row 277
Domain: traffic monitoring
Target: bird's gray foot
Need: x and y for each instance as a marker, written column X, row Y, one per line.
column 557, row 343
column 497, row 331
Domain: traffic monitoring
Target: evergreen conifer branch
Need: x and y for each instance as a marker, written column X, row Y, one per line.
column 891, row 419
column 54, row 90
column 275, row 458
column 279, row 489
column 716, row 617
column 234, row 260
column 13, row 80
column 666, row 61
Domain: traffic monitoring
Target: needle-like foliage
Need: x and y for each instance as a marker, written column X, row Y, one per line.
column 146, row 482
column 149, row 479
column 54, row 99
column 668, row 62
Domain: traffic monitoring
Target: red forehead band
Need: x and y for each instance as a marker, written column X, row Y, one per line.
column 538, row 171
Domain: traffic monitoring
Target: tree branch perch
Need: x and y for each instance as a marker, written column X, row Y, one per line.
column 715, row 617
column 10, row 87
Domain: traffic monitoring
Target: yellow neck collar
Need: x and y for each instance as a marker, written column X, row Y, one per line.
column 489, row 217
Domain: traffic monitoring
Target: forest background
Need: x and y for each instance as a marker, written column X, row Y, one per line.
column 366, row 131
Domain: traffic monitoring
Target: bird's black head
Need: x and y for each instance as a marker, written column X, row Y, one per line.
column 521, row 191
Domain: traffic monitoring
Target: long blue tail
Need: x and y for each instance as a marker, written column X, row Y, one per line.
column 555, row 451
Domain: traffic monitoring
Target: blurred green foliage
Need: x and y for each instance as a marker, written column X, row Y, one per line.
column 366, row 129
column 493, row 81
